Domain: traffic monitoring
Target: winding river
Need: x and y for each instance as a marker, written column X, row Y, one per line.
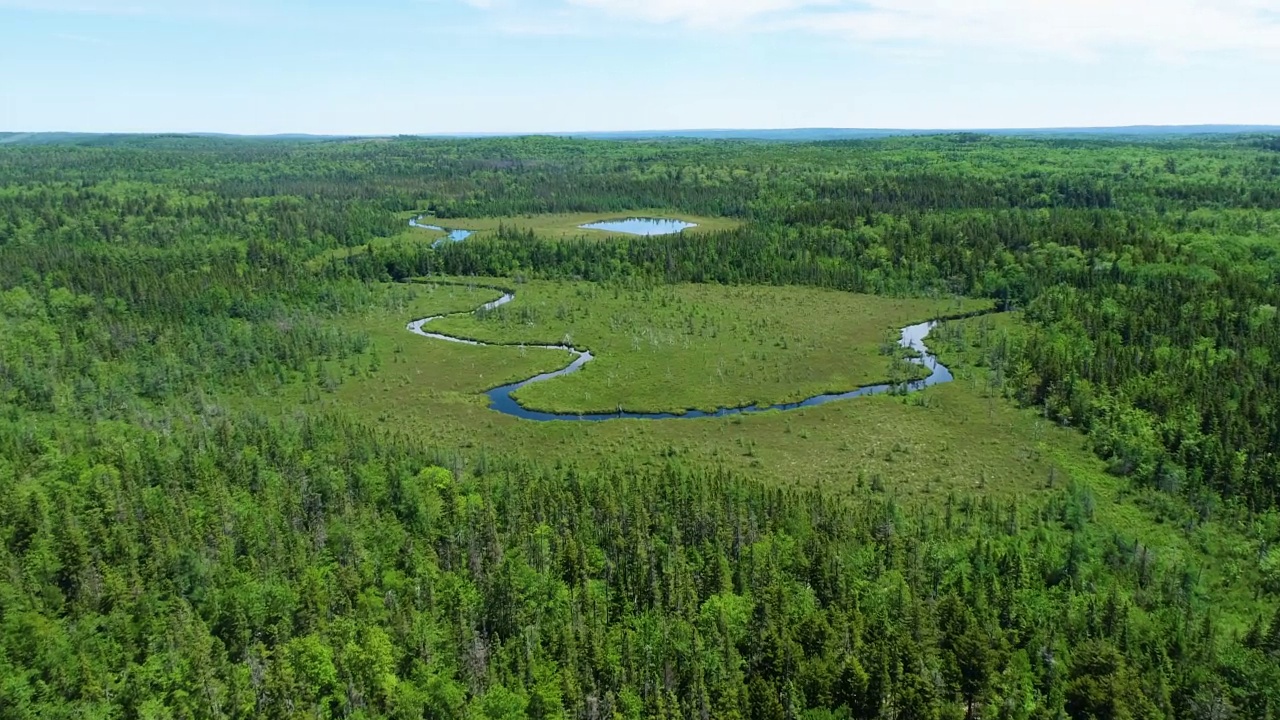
column 453, row 235
column 502, row 398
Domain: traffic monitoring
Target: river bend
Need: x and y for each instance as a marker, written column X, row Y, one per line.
column 502, row 399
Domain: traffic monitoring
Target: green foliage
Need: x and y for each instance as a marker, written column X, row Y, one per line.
column 212, row 572
column 164, row 557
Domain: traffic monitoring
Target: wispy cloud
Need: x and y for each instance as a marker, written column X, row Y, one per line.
column 1081, row 29
column 1078, row 28
column 703, row 13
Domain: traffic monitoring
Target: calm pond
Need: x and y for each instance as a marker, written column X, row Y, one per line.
column 641, row 226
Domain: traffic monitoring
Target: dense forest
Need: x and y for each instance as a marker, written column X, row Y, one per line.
column 165, row 556
column 235, row 568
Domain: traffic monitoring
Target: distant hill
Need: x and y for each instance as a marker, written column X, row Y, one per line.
column 775, row 135
column 45, row 138
column 71, row 138
column 820, row 134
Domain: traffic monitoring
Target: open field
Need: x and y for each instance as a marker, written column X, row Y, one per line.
column 435, row 390
column 669, row 349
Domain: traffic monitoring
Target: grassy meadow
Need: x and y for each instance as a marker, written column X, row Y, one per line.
column 706, row 346
column 672, row 348
column 434, row 389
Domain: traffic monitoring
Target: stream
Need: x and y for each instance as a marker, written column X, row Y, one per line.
column 502, row 398
column 452, row 235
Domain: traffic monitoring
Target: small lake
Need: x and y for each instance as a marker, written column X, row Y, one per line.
column 641, row 226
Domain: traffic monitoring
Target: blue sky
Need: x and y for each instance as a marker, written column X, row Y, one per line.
column 436, row 66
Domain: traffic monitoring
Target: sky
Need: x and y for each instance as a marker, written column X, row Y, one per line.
column 514, row 66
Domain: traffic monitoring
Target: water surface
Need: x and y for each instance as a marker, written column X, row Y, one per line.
column 641, row 226
column 453, row 235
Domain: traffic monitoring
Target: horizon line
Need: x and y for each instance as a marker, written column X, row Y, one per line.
column 1195, row 128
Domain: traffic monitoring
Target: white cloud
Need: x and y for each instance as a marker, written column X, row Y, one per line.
column 702, row 13
column 1167, row 29
column 1078, row 28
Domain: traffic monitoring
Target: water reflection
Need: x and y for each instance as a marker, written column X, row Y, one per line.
column 641, row 226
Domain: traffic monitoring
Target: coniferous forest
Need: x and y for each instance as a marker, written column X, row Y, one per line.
column 167, row 551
